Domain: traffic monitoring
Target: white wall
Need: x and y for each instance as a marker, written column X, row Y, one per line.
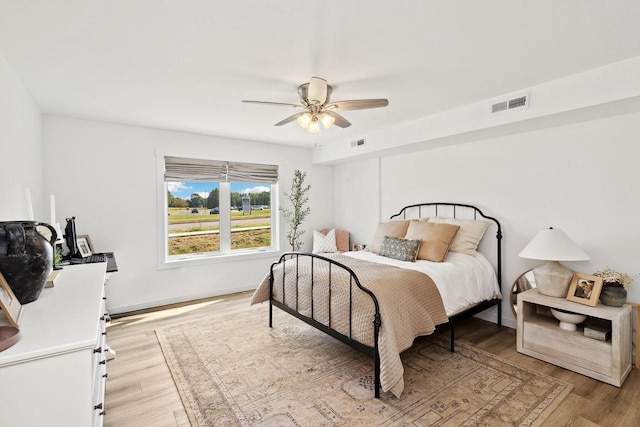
column 580, row 177
column 606, row 91
column 21, row 149
column 357, row 198
column 105, row 175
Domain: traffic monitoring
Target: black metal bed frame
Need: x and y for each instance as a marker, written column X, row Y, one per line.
column 353, row 280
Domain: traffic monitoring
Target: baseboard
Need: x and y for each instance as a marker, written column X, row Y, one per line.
column 176, row 300
column 490, row 316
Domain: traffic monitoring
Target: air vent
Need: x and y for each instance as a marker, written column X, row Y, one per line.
column 357, row 143
column 500, row 106
column 520, row 101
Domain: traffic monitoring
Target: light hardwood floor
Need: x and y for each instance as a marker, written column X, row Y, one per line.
column 141, row 392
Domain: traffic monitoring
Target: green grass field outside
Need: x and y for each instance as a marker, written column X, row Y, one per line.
column 176, row 215
column 203, row 243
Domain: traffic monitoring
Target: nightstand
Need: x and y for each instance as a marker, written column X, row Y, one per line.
column 539, row 336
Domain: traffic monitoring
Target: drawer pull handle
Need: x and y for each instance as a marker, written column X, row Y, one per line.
column 102, row 362
column 102, row 413
column 105, row 375
column 104, row 333
column 98, row 406
column 97, row 350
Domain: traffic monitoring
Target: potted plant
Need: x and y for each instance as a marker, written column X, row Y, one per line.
column 614, row 284
column 294, row 217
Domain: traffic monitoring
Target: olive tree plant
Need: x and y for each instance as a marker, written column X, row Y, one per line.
column 294, row 217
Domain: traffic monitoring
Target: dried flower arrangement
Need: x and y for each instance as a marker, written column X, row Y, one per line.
column 614, row 278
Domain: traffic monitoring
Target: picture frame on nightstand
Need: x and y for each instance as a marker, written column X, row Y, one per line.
column 585, row 289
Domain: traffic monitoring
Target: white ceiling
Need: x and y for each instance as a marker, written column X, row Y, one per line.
column 187, row 64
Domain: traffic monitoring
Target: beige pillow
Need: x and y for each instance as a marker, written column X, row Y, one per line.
column 342, row 239
column 468, row 236
column 389, row 228
column 436, row 239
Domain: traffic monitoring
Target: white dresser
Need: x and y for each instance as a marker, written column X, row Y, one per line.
column 55, row 375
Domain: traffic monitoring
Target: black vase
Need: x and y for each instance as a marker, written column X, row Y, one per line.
column 26, row 258
column 613, row 296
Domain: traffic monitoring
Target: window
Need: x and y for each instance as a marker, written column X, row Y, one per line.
column 218, row 208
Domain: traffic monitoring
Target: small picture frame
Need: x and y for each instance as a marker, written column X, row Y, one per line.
column 83, row 247
column 10, row 305
column 88, row 239
column 585, row 289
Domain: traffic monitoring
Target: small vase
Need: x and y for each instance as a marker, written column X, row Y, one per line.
column 613, row 296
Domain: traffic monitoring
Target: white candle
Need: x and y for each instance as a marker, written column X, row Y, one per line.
column 53, row 210
column 27, row 195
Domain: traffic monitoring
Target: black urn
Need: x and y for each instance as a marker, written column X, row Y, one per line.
column 26, row 257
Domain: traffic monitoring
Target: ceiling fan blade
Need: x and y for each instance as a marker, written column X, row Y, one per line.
column 288, row 119
column 317, row 92
column 339, row 120
column 358, row 104
column 278, row 104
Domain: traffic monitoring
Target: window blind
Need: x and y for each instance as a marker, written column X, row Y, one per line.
column 186, row 169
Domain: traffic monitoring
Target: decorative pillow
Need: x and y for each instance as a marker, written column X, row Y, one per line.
column 436, row 239
column 389, row 228
column 401, row 249
column 322, row 243
column 468, row 236
column 342, row 239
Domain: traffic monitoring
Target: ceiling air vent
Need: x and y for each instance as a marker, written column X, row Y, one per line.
column 357, row 143
column 520, row 101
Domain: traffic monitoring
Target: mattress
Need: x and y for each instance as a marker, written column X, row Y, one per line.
column 462, row 280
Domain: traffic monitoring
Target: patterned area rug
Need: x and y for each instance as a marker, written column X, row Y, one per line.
column 234, row 370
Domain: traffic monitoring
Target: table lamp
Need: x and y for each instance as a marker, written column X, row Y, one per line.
column 553, row 245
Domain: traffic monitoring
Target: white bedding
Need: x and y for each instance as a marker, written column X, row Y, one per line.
column 463, row 280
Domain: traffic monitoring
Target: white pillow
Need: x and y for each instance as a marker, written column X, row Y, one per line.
column 468, row 236
column 322, row 243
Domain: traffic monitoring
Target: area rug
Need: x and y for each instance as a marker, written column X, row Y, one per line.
column 233, row 370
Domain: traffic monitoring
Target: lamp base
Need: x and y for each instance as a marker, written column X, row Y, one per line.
column 553, row 279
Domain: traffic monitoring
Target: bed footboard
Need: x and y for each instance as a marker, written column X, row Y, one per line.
column 325, row 301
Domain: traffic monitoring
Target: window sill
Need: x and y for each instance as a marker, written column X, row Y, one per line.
column 208, row 259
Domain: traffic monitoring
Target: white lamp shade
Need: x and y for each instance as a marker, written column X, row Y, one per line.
column 317, row 92
column 327, row 120
column 304, row 120
column 552, row 244
column 314, row 126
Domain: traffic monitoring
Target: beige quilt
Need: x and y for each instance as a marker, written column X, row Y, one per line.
column 410, row 304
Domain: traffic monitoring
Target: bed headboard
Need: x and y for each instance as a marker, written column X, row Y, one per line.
column 455, row 210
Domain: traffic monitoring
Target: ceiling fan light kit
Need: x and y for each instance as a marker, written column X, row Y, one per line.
column 309, row 121
column 314, row 99
column 327, row 120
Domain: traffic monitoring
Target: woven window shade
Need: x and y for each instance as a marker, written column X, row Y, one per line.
column 185, row 169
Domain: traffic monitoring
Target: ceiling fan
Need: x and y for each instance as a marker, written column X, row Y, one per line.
column 314, row 100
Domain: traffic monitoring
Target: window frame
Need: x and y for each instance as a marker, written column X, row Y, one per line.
column 164, row 261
